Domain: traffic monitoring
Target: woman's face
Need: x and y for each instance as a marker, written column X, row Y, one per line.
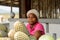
column 32, row 19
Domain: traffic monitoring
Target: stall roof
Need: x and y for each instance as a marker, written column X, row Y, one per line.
column 14, row 3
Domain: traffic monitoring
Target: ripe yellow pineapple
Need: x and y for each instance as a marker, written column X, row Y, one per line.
column 11, row 34
column 21, row 36
column 4, row 38
column 19, row 26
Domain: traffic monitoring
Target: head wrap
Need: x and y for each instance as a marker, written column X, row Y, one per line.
column 34, row 11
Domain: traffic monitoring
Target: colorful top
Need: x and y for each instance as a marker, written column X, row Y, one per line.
column 36, row 27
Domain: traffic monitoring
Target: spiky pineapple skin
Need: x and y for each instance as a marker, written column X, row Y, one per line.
column 11, row 34
column 20, row 26
column 21, row 36
column 3, row 34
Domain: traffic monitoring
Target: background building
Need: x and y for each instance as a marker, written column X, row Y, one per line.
column 47, row 8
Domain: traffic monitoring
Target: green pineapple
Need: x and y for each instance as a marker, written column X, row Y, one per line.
column 3, row 34
column 3, row 28
column 58, row 38
column 46, row 37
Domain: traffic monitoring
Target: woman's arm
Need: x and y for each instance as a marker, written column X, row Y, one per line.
column 37, row 34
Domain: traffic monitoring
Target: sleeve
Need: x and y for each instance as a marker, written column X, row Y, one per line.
column 39, row 27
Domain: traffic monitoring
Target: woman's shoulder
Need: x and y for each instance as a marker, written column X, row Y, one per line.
column 39, row 24
column 27, row 25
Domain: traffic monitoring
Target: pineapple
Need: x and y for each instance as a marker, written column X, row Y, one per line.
column 11, row 34
column 3, row 34
column 4, row 38
column 3, row 28
column 46, row 37
column 21, row 36
column 58, row 38
column 19, row 26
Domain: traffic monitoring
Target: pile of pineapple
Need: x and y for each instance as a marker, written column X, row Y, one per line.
column 3, row 30
column 20, row 32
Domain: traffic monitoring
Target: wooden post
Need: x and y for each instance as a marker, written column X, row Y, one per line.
column 21, row 8
column 47, row 27
column 54, row 35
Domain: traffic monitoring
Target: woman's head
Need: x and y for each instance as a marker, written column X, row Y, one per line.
column 32, row 16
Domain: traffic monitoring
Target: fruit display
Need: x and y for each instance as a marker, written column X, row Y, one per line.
column 4, row 38
column 3, row 28
column 46, row 37
column 11, row 34
column 58, row 38
column 20, row 32
column 19, row 26
column 3, row 34
column 21, row 36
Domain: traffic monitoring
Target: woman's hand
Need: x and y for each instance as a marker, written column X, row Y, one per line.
column 38, row 34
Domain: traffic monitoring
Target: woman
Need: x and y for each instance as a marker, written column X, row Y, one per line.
column 35, row 28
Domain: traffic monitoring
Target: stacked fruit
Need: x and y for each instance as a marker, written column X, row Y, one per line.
column 4, row 38
column 46, row 37
column 19, row 32
column 21, row 36
column 19, row 26
column 58, row 38
column 3, row 30
column 11, row 34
